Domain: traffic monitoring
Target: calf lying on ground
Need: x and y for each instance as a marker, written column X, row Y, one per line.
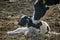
column 43, row 29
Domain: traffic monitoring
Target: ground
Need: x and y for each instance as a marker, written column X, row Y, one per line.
column 10, row 14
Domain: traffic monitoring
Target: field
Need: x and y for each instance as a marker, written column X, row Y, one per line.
column 10, row 14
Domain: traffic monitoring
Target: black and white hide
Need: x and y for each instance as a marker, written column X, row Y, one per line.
column 30, row 29
column 41, row 6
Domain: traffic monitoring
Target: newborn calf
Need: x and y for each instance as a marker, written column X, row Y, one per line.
column 43, row 29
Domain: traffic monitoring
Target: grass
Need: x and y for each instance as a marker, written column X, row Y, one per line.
column 1, row 25
column 22, row 38
column 45, row 35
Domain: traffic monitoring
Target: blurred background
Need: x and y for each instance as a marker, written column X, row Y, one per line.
column 12, row 10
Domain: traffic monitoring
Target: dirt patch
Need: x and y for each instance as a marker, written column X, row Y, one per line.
column 11, row 12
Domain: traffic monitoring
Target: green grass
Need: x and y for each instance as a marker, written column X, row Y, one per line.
column 1, row 25
column 45, row 35
column 22, row 38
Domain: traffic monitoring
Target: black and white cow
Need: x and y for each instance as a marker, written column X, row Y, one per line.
column 41, row 8
column 41, row 27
